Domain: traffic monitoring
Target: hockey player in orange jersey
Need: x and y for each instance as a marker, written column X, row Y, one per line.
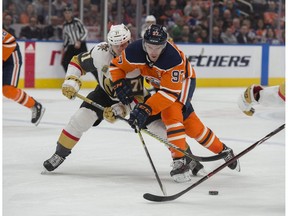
column 259, row 95
column 169, row 71
column 12, row 61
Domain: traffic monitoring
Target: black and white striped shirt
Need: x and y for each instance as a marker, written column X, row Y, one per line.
column 74, row 31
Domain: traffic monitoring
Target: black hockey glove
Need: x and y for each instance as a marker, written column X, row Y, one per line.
column 139, row 115
column 123, row 91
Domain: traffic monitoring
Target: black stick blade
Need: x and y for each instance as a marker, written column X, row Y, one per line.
column 156, row 198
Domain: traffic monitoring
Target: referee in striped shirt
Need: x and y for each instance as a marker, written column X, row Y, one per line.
column 74, row 36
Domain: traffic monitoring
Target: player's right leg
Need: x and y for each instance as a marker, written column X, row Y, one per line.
column 79, row 123
column 173, row 120
column 11, row 72
column 21, row 97
column 86, row 117
column 206, row 137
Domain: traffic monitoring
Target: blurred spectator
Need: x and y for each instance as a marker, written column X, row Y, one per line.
column 58, row 8
column 159, row 10
column 41, row 11
column 232, row 7
column 242, row 37
column 194, row 17
column 31, row 31
column 21, row 5
column 227, row 19
column 186, row 35
column 219, row 4
column 228, row 37
column 204, row 36
column 176, row 30
column 204, row 9
column 39, row 6
column 11, row 10
column 167, row 19
column 260, row 30
column 270, row 37
column 7, row 22
column 216, row 15
column 92, row 16
column 251, row 33
column 27, row 14
column 175, row 10
column 216, row 35
column 236, row 26
column 197, row 38
column 270, row 15
column 149, row 20
column 53, row 31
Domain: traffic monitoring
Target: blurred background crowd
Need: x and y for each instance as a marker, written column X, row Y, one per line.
column 187, row 21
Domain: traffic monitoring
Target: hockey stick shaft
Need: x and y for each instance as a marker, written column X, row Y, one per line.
column 167, row 143
column 151, row 162
column 140, row 136
column 156, row 198
column 194, row 157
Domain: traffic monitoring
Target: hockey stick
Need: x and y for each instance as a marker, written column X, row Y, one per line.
column 156, row 198
column 140, row 136
column 169, row 144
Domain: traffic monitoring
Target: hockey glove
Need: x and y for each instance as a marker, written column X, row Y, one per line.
column 110, row 113
column 71, row 86
column 139, row 115
column 247, row 99
column 123, row 91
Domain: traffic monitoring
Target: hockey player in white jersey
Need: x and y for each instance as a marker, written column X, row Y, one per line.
column 97, row 61
column 259, row 95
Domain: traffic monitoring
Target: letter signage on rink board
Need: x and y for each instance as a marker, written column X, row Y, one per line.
column 215, row 65
column 224, row 61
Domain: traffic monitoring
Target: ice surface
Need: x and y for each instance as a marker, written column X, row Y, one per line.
column 108, row 170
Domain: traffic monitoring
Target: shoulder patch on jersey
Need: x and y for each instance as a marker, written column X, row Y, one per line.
column 3, row 34
column 103, row 46
column 105, row 68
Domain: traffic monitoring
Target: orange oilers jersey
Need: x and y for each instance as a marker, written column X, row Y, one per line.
column 171, row 74
column 8, row 44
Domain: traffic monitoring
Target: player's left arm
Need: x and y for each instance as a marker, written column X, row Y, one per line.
column 118, row 68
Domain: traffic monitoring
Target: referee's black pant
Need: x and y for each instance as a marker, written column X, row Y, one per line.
column 70, row 52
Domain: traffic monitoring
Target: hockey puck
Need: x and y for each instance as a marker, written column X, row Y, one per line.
column 213, row 192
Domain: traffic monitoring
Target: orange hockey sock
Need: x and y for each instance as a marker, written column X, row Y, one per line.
column 18, row 96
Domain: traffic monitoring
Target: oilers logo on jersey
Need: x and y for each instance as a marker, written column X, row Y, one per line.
column 153, row 81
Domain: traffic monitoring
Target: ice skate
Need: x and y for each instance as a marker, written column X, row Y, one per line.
column 37, row 113
column 53, row 162
column 181, row 170
column 236, row 164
